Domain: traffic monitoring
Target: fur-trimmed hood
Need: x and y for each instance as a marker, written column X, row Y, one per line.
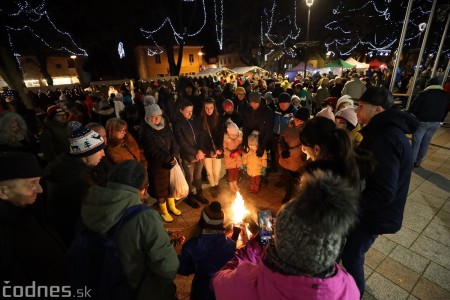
column 6, row 119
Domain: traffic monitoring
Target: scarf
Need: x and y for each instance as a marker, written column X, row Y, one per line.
column 156, row 127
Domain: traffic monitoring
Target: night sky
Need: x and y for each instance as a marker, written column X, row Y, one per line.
column 98, row 26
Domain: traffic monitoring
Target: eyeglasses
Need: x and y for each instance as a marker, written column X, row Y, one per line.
column 122, row 131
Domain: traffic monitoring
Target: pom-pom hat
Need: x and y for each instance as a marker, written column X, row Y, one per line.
column 85, row 142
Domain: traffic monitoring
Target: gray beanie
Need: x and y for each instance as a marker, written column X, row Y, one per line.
column 310, row 230
column 152, row 110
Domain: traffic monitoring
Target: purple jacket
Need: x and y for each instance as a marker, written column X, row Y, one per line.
column 241, row 278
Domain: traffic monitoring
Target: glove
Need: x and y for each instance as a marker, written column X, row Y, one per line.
column 235, row 153
column 263, row 171
column 285, row 154
column 260, row 152
column 244, row 168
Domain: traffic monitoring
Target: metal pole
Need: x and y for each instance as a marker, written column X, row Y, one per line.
column 307, row 39
column 422, row 50
column 400, row 45
column 436, row 62
column 444, row 79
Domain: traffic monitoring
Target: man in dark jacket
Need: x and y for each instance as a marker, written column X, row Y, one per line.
column 29, row 249
column 429, row 107
column 383, row 199
column 258, row 117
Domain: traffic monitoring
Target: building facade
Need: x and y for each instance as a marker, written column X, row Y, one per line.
column 151, row 65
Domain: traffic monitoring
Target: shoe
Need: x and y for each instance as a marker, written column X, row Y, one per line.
column 214, row 191
column 164, row 213
column 190, row 200
column 416, row 165
column 173, row 209
column 200, row 198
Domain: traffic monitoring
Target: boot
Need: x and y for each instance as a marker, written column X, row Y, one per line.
column 190, row 200
column 200, row 198
column 172, row 207
column 164, row 213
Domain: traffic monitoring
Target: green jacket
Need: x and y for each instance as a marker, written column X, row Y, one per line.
column 143, row 244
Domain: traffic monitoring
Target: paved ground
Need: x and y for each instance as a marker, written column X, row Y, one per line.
column 411, row 264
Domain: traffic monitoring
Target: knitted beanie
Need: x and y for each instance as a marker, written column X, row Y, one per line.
column 53, row 110
column 343, row 99
column 284, row 98
column 232, row 129
column 85, row 142
column 310, row 230
column 212, row 216
column 302, row 114
column 152, row 110
column 149, row 99
column 326, row 112
column 348, row 113
column 227, row 103
column 254, row 97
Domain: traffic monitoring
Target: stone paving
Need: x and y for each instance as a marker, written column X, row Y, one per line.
column 414, row 263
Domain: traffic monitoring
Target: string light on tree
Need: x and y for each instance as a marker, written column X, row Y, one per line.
column 382, row 17
column 28, row 18
column 219, row 25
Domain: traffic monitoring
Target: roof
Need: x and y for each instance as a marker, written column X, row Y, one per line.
column 252, row 69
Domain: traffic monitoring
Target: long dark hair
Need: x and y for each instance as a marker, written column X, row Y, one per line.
column 336, row 149
column 214, row 117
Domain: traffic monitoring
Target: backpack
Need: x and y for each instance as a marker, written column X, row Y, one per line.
column 94, row 261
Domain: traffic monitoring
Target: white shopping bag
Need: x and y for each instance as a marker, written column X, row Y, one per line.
column 178, row 184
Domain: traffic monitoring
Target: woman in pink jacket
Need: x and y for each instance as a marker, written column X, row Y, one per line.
column 300, row 263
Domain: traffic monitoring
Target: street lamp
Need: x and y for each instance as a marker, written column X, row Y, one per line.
column 309, row 3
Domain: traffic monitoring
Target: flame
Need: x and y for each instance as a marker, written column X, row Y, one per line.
column 239, row 211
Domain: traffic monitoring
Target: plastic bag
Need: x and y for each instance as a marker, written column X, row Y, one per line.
column 178, row 184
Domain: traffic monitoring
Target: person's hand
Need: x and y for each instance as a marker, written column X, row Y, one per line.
column 200, row 155
column 260, row 152
column 219, row 152
column 285, row 153
column 263, row 171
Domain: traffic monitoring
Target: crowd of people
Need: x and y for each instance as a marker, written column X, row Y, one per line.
column 82, row 162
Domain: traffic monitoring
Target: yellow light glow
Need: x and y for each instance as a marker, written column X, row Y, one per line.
column 238, row 209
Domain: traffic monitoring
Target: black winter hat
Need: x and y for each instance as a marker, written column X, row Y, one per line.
column 284, row 98
column 254, row 97
column 378, row 96
column 302, row 114
column 15, row 165
column 277, row 92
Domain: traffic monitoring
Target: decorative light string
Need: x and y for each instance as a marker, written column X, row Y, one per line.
column 219, row 27
column 39, row 14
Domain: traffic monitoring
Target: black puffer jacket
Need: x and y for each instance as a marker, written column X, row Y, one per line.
column 189, row 135
column 383, row 199
column 260, row 120
column 430, row 104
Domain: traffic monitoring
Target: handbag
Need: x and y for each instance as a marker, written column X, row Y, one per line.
column 179, row 187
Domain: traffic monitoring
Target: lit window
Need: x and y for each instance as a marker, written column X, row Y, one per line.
column 191, row 58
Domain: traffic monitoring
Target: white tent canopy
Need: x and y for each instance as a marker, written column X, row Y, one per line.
column 216, row 72
column 358, row 65
column 245, row 70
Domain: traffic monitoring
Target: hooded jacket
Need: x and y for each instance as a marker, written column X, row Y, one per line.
column 143, row 245
column 431, row 104
column 383, row 199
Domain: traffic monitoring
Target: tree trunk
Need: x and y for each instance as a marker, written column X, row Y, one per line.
column 42, row 63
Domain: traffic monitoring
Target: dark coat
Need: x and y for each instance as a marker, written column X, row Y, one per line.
column 260, row 120
column 29, row 250
column 383, row 199
column 214, row 141
column 68, row 180
column 235, row 117
column 204, row 256
column 160, row 148
column 54, row 139
column 430, row 105
column 240, row 106
column 189, row 135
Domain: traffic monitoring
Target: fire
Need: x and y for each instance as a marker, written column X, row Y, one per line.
column 238, row 209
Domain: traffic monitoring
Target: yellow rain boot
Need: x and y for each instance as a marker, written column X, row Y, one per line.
column 172, row 207
column 164, row 213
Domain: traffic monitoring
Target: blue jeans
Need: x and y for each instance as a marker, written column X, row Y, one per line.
column 421, row 139
column 193, row 173
column 357, row 244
